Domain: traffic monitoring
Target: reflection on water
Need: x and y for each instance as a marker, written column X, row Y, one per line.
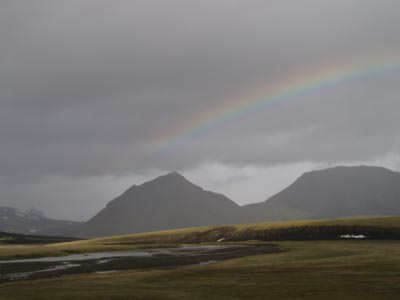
column 186, row 250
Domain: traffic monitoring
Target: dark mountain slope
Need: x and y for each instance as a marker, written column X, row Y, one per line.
column 171, row 201
column 333, row 193
column 167, row 202
column 32, row 222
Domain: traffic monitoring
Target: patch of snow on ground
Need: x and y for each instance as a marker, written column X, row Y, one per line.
column 20, row 215
column 103, row 261
column 353, row 236
column 207, row 262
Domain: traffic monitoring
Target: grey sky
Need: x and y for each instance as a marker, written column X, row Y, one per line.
column 86, row 86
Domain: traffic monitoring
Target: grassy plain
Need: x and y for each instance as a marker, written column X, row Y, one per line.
column 376, row 228
column 311, row 270
column 320, row 266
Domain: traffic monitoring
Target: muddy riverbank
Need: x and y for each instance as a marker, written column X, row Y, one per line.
column 45, row 267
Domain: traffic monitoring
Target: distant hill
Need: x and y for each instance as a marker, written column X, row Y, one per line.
column 167, row 202
column 7, row 238
column 32, row 222
column 171, row 201
column 332, row 193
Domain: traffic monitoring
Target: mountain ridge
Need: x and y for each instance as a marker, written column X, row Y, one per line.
column 32, row 221
column 171, row 201
column 333, row 193
column 166, row 202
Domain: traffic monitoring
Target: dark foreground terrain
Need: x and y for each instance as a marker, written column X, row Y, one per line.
column 368, row 270
column 347, row 259
column 110, row 262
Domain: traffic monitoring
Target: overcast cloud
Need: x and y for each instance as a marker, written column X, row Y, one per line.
column 87, row 86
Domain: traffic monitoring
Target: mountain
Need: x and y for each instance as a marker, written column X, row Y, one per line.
column 332, row 193
column 32, row 222
column 171, row 201
column 167, row 202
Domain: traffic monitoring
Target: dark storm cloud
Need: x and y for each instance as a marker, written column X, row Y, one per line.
column 85, row 86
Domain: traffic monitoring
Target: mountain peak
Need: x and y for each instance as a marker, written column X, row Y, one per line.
column 173, row 177
column 32, row 222
column 348, row 172
column 171, row 201
column 170, row 181
column 347, row 169
column 37, row 213
column 174, row 174
column 340, row 192
column 166, row 202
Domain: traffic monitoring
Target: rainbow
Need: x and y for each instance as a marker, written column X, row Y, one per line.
column 263, row 96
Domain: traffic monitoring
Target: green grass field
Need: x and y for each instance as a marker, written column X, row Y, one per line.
column 308, row 270
column 312, row 269
column 377, row 228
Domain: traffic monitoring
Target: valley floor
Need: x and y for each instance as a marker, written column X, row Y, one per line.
column 342, row 269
